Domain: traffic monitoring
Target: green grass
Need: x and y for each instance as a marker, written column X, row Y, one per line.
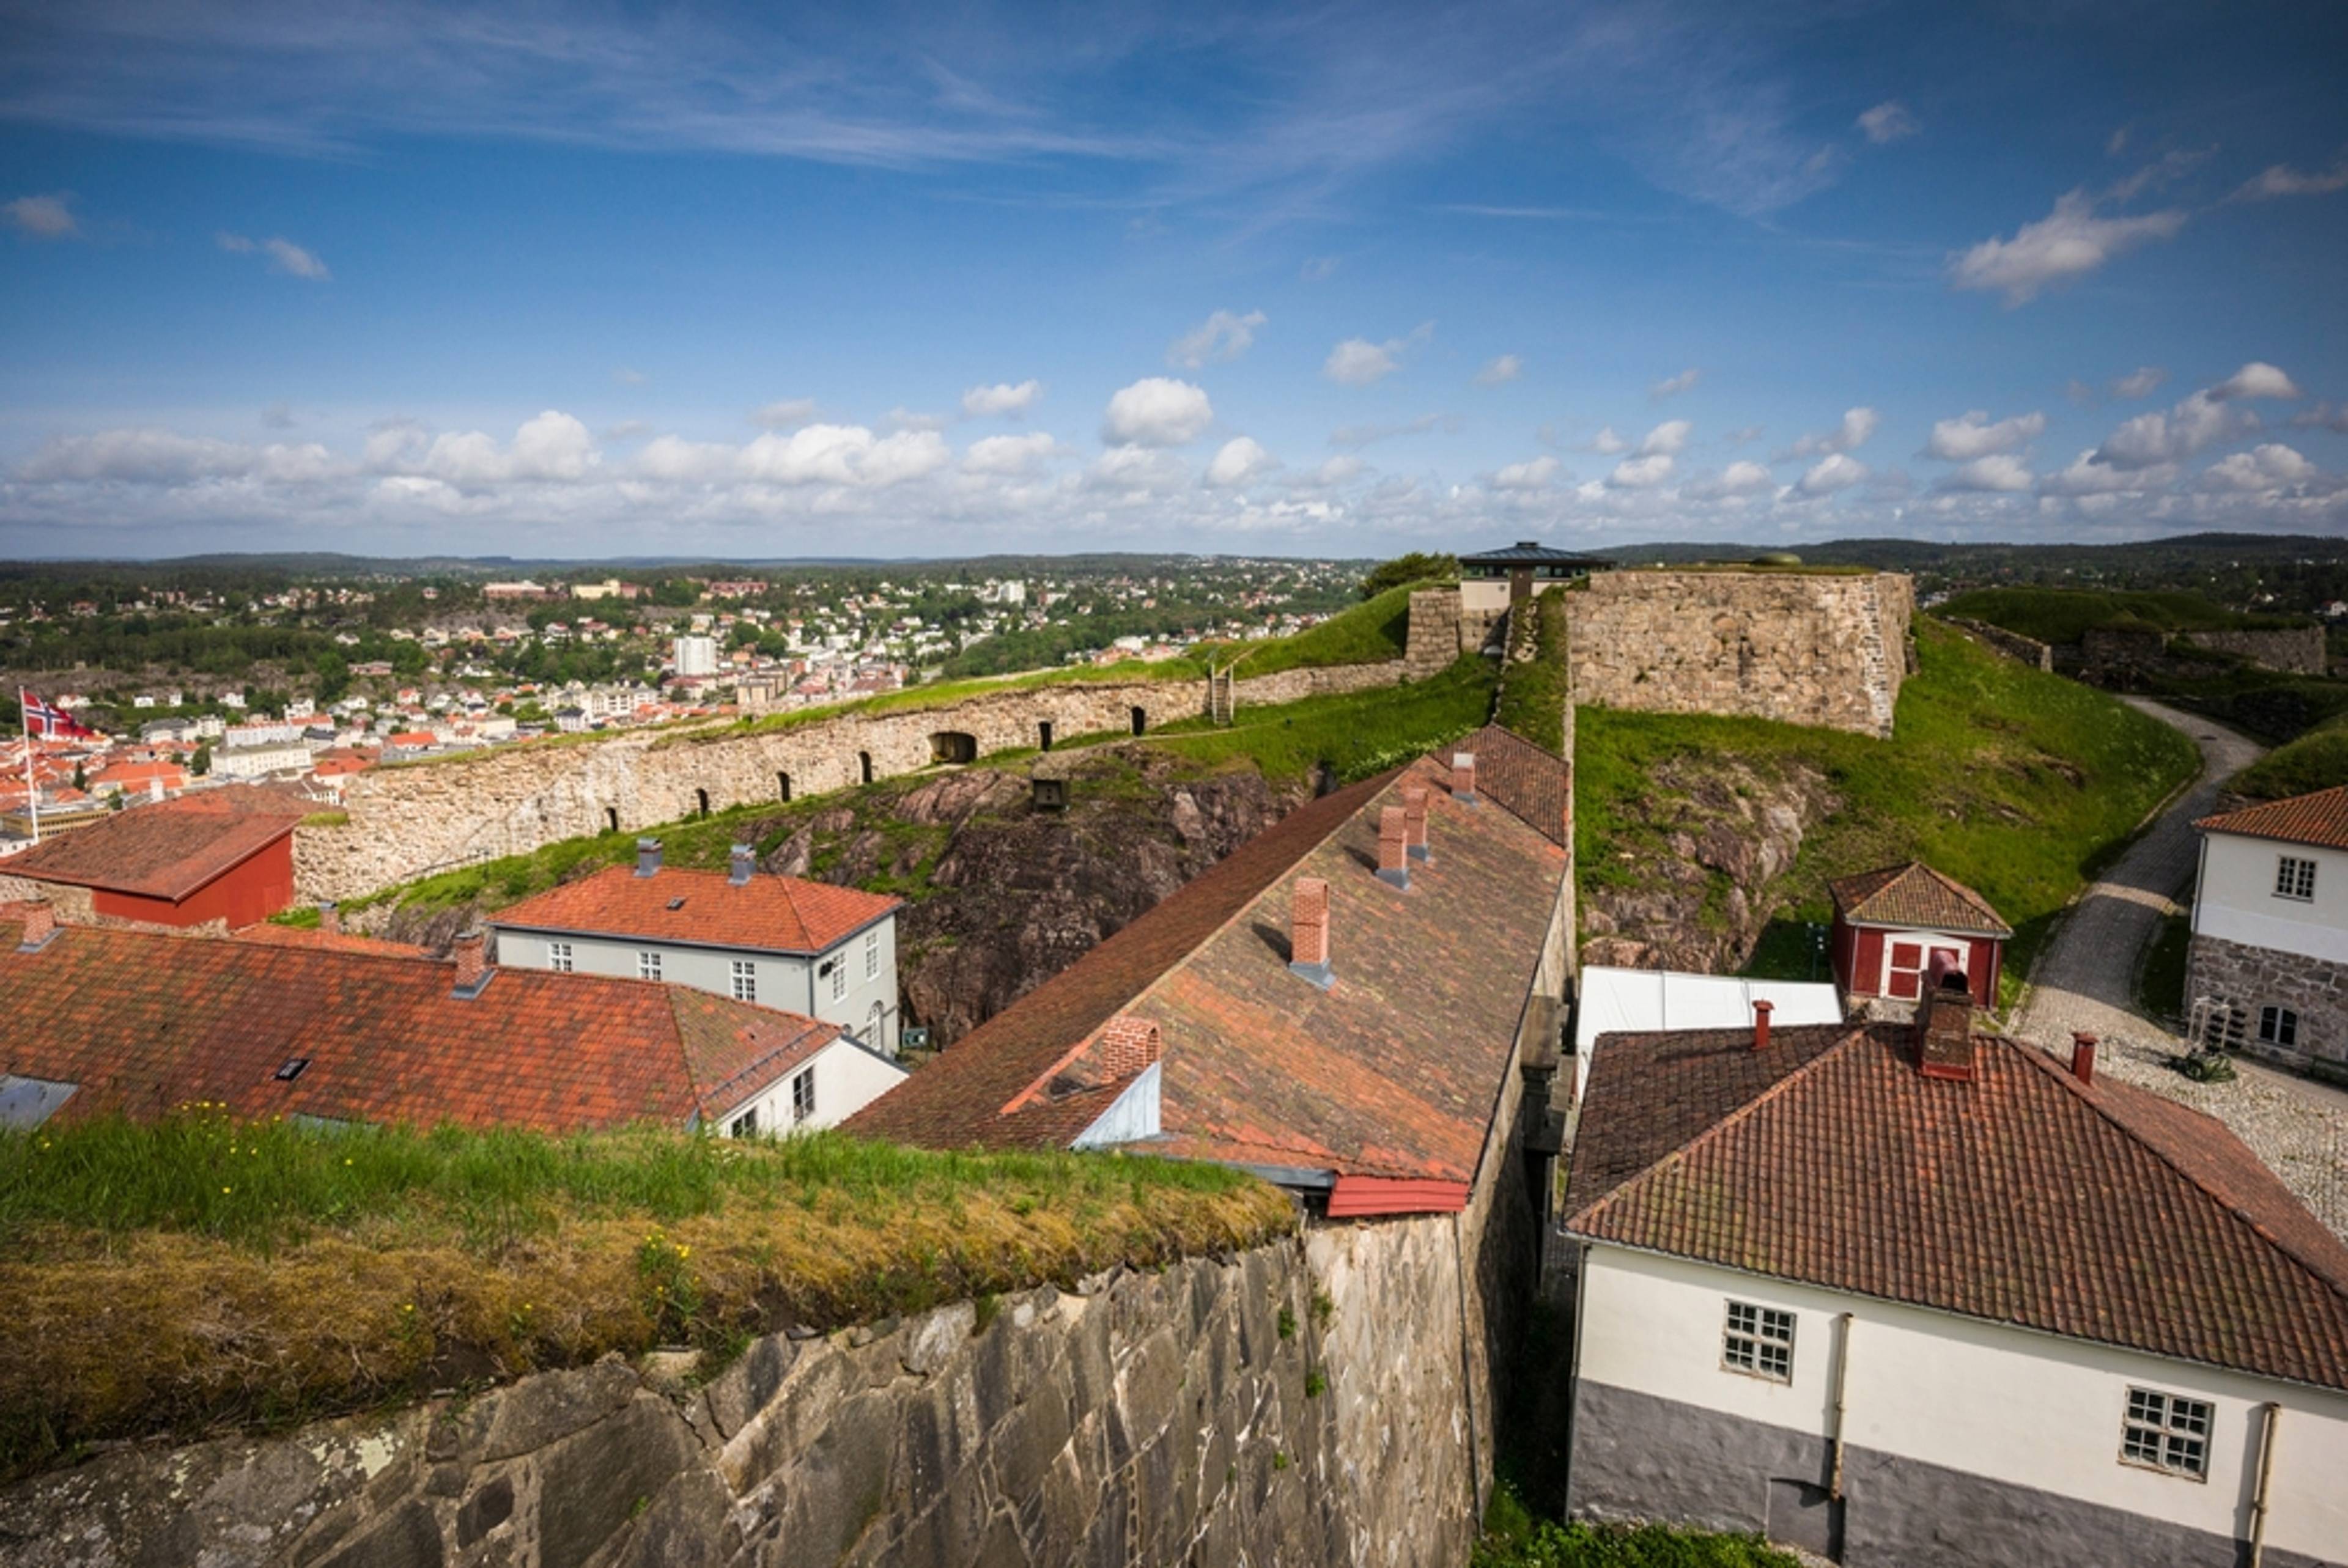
column 2265, row 705
column 2160, row 986
column 1532, row 693
column 2065, row 615
column 2018, row 783
column 1513, row 1537
column 1372, row 632
column 2316, row 760
column 260, row 1274
column 1358, row 733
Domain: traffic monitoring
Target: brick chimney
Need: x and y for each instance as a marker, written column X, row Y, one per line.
column 1944, row 1029
column 742, row 862
column 1413, row 815
column 1308, row 924
column 470, row 950
column 2083, row 1056
column 1125, row 1046
column 1463, row 776
column 330, row 918
column 1394, row 846
column 648, row 856
column 40, row 926
column 1761, row 1010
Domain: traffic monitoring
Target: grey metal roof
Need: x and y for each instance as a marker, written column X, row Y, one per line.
column 1532, row 552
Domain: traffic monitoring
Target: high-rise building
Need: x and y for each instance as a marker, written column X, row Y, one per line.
column 695, row 656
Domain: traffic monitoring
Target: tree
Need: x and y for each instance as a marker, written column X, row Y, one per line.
column 201, row 762
column 1416, row 567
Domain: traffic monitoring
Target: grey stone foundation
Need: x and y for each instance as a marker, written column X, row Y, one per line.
column 2253, row 978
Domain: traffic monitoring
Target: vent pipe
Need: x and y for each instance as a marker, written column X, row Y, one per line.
column 1761, row 1010
column 2083, row 1056
column 648, row 856
column 1308, row 925
column 744, row 861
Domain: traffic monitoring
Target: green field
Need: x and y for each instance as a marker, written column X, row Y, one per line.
column 2063, row 615
column 2013, row 781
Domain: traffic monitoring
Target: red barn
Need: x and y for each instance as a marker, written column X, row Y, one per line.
column 1896, row 927
column 224, row 855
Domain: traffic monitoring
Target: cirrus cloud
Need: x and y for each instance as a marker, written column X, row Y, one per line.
column 1223, row 335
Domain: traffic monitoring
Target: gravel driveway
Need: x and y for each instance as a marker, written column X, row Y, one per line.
column 2084, row 980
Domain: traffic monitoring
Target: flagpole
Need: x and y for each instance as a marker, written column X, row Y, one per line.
column 31, row 786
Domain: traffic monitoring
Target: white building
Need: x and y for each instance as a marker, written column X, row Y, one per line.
column 259, row 761
column 780, row 941
column 2268, row 970
column 692, row 656
column 1906, row 1295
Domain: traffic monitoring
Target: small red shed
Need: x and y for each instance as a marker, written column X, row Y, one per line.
column 225, row 854
column 1897, row 927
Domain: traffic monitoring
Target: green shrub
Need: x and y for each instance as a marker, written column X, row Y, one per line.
column 1514, row 1538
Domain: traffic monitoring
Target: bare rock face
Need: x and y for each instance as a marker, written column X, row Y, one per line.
column 1728, row 830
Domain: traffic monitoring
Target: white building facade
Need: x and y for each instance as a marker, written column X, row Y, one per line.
column 2268, row 966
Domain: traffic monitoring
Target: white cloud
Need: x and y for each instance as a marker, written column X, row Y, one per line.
column 553, row 446
column 847, row 455
column 1506, row 368
column 1640, row 473
column 1973, row 435
column 1832, row 473
column 2323, row 417
column 2090, row 474
column 1367, row 434
column 43, row 217
column 1003, row 397
column 678, row 461
column 1317, row 269
column 1357, row 362
column 1009, row 454
column 1888, row 121
column 1156, row 411
column 628, row 376
column 1239, row 461
column 143, row 457
column 628, row 430
column 2281, row 179
column 1742, row 434
column 2141, row 382
column 1224, row 335
column 903, row 418
column 1138, row 469
column 1856, row 427
column 1534, row 475
column 1744, row 475
column 1606, row 442
column 2257, row 379
column 789, row 413
column 1338, row 470
column 1672, row 385
column 1670, row 437
column 1997, row 472
column 284, row 256
column 2068, row 243
column 2266, row 467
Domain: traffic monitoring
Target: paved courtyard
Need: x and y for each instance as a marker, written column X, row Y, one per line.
column 2085, row 980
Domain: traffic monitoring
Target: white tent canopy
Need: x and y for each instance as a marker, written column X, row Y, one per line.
column 1620, row 1001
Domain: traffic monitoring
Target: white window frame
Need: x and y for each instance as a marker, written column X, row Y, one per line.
column 746, row 1125
column 838, row 976
column 744, row 980
column 558, row 957
column 803, row 1095
column 2279, row 1025
column 871, row 955
column 2166, row 1432
column 648, row 964
column 1758, row 1341
column 2294, row 879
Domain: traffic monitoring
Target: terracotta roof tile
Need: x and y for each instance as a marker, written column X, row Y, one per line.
column 277, row 936
column 2097, row 1212
column 1914, row 895
column 773, row 914
column 166, row 850
column 2321, row 818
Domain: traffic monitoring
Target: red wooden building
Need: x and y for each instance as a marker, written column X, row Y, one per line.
column 1896, row 928
column 222, row 855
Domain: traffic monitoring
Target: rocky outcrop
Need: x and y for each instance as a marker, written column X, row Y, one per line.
column 1717, row 834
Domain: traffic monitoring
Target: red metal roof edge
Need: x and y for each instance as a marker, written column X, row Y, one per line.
column 1362, row 1197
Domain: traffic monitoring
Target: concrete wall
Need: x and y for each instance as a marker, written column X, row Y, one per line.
column 1147, row 1418
column 1802, row 648
column 1968, row 1442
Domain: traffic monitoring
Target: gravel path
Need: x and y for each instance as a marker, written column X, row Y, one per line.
column 2084, row 980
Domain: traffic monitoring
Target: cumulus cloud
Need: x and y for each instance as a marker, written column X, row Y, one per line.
column 1640, row 473
column 2090, row 473
column 47, row 217
column 1744, row 475
column 1009, row 454
column 1888, row 121
column 2141, row 382
column 903, row 418
column 1856, row 426
column 1670, row 437
column 2069, row 242
column 789, row 413
column 1156, row 411
column 1357, row 362
column 1533, row 475
column 1506, row 368
column 284, row 256
column 1672, row 385
column 1239, row 461
column 1997, row 472
column 1606, row 442
column 2266, row 467
column 1834, row 472
column 1338, row 470
column 2281, row 179
column 2203, row 420
column 2323, row 417
column 1224, row 335
column 2257, row 379
column 1136, row 470
column 1971, row 436
column 553, row 446
column 1352, row 435
column 980, row 402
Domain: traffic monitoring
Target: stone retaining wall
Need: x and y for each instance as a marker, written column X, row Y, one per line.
column 2232, row 974
column 2300, row 650
column 2012, row 644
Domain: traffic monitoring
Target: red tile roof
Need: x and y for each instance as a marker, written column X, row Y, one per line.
column 169, row 849
column 1914, row 895
column 144, row 1022
column 274, row 935
column 2097, row 1211
column 2320, row 819
column 772, row 914
column 1392, row 1072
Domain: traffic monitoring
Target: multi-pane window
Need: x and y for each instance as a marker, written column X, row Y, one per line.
column 648, row 966
column 1759, row 1340
column 2167, row 1431
column 2294, row 878
column 558, row 956
column 838, row 977
column 2278, row 1026
column 746, row 1125
column 872, row 954
column 803, row 1095
column 746, row 980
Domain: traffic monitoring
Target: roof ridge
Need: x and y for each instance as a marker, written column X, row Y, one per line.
column 2044, row 1059
column 1737, row 1117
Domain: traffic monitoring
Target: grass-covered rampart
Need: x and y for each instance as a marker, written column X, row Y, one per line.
column 1532, row 697
column 2065, row 615
column 192, row 1273
column 1357, row 733
column 2316, row 760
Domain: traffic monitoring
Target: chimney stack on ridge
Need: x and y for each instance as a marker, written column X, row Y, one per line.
column 1308, row 923
column 1944, row 1029
column 330, row 918
column 473, row 972
column 1394, row 846
column 1413, row 812
column 1463, row 776
column 744, row 861
column 40, row 926
column 648, row 856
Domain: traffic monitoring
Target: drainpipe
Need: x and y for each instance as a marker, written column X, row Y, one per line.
column 2274, row 1413
column 1844, row 1325
column 1468, row 1371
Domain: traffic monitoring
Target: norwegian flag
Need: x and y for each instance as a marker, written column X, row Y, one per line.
column 54, row 724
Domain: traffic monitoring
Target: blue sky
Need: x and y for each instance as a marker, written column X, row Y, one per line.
column 539, row 278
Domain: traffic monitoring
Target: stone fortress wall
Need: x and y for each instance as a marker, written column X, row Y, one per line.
column 2298, row 650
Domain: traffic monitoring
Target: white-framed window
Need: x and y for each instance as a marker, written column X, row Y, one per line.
column 746, row 1125
column 1758, row 1340
column 2166, row 1432
column 872, row 954
column 558, row 956
column 803, row 1095
column 746, row 980
column 648, row 965
column 838, row 977
column 2278, row 1026
column 2294, row 879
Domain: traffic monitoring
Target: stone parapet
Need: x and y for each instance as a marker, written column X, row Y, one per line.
column 2299, row 651
column 2012, row 644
